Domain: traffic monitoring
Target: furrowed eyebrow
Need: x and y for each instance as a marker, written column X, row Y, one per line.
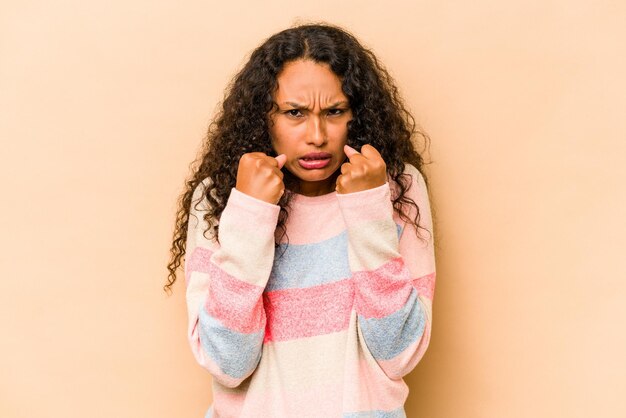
column 299, row 106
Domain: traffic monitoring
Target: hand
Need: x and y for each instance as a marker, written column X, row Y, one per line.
column 366, row 170
column 259, row 176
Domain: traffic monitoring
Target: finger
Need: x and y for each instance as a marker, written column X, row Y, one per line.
column 350, row 152
column 369, row 152
column 277, row 161
column 338, row 187
column 281, row 159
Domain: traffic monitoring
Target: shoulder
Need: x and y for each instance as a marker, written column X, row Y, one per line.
column 416, row 175
column 198, row 198
column 199, row 206
column 417, row 192
column 412, row 179
column 203, row 185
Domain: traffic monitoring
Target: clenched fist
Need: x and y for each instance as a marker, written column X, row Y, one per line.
column 259, row 176
column 366, row 170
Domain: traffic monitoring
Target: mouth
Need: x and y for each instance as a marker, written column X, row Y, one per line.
column 315, row 160
column 314, row 156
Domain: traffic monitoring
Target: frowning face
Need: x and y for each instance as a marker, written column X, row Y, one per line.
column 311, row 124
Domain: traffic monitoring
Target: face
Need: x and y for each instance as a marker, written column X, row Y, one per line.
column 310, row 125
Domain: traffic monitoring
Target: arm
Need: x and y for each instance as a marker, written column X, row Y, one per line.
column 394, row 276
column 225, row 283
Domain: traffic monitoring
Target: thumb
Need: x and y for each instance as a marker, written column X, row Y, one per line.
column 350, row 151
column 282, row 158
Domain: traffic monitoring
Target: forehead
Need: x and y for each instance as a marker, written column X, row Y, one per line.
column 305, row 77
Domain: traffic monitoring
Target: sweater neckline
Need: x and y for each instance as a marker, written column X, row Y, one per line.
column 313, row 200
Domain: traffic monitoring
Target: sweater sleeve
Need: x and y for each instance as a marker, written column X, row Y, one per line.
column 225, row 283
column 394, row 274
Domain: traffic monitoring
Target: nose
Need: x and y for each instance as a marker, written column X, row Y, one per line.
column 316, row 131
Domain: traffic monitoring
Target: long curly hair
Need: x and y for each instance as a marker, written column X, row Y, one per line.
column 380, row 118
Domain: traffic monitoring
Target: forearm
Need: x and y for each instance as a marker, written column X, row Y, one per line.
column 393, row 317
column 224, row 295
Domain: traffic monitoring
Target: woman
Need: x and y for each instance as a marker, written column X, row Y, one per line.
column 312, row 294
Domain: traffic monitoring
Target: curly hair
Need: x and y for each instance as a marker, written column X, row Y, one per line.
column 380, row 119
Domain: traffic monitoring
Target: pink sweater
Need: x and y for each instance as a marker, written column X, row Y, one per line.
column 328, row 329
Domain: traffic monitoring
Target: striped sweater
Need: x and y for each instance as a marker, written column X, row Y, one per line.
column 324, row 326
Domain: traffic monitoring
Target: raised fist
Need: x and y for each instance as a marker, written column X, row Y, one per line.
column 259, row 176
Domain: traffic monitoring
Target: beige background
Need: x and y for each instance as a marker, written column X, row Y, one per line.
column 103, row 105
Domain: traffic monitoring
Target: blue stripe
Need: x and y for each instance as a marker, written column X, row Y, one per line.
column 389, row 336
column 308, row 265
column 396, row 413
column 399, row 230
column 235, row 353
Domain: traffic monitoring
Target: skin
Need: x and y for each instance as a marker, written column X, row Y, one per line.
column 259, row 176
column 312, row 116
column 364, row 170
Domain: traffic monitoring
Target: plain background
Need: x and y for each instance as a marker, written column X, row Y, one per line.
column 103, row 105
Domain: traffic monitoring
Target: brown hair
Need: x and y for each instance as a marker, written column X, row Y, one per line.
column 241, row 126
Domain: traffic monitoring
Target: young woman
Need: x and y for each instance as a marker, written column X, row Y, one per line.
column 307, row 230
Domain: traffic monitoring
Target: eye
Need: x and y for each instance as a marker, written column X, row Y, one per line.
column 289, row 112
column 337, row 112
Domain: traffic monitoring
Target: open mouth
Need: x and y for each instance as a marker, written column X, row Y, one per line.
column 315, row 159
column 314, row 162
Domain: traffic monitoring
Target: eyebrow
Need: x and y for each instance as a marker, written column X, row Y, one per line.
column 297, row 105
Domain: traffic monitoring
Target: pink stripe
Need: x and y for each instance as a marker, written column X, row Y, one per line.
column 317, row 310
column 425, row 285
column 383, row 291
column 303, row 231
column 371, row 388
column 235, row 303
column 229, row 402
column 198, row 261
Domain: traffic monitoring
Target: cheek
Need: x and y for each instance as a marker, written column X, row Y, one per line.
column 285, row 137
column 277, row 137
column 338, row 131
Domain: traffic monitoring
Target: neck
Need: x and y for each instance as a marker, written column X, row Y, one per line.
column 312, row 188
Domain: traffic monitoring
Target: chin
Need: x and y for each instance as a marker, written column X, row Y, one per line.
column 315, row 176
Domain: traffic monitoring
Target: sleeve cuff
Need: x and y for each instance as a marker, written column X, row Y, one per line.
column 250, row 212
column 366, row 205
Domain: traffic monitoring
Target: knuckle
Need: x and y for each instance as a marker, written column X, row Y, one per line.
column 276, row 185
